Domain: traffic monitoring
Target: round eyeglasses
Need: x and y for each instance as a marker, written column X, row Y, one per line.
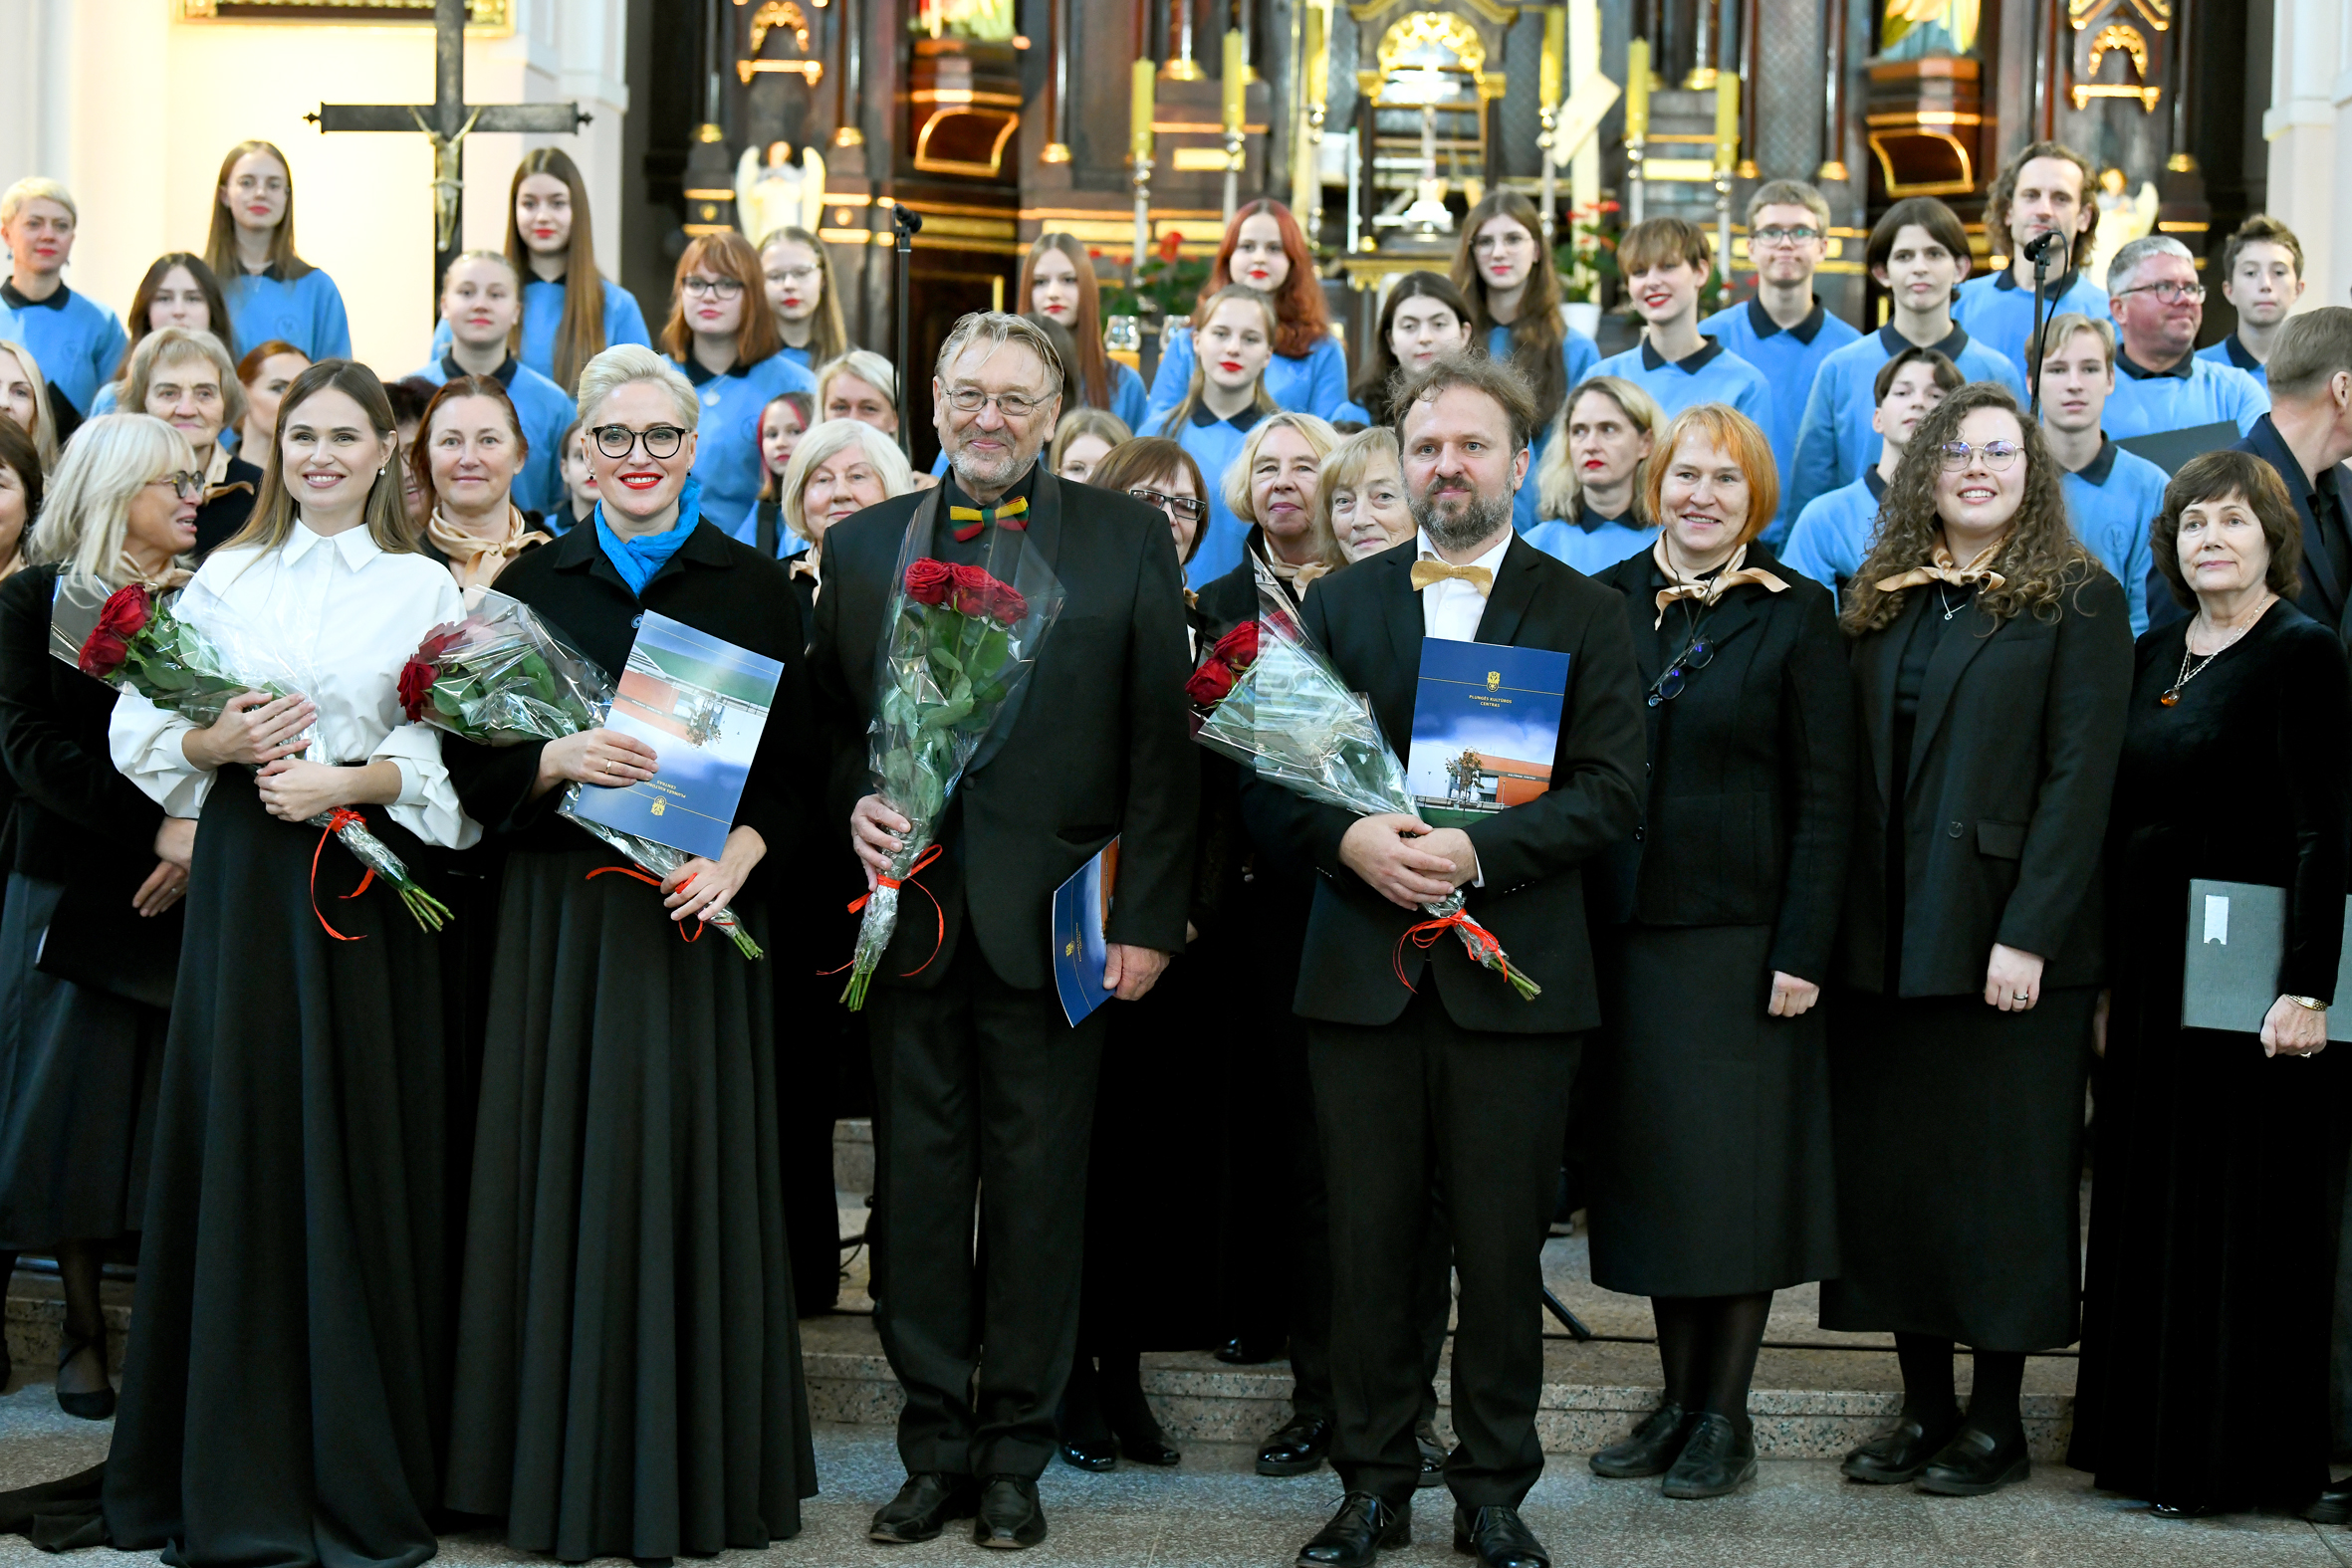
column 1995, row 455
column 619, row 440
column 1695, row 656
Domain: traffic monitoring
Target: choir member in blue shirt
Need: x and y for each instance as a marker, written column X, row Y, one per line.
column 28, row 399
column 1263, row 249
column 1506, row 273
column 1083, row 439
column 2045, row 189
column 1057, row 281
column 783, row 422
column 1785, row 330
column 1424, row 318
column 1918, row 253
column 178, row 290
column 480, row 303
column 572, row 313
column 2261, row 278
column 1665, row 261
column 802, row 295
column 79, row 341
column 1831, row 541
column 1589, row 485
column 1224, row 402
column 723, row 335
column 2158, row 303
column 272, row 292
column 2112, row 496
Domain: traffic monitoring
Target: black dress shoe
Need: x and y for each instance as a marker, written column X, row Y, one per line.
column 1243, row 1350
column 1975, row 1463
column 1011, row 1516
column 1297, row 1447
column 1900, row 1455
column 1433, row 1454
column 1139, row 1436
column 1718, row 1459
column 1091, row 1454
column 922, row 1508
column 2333, row 1506
column 95, row 1404
column 1498, row 1537
column 1651, row 1448
column 1354, row 1539
column 2185, row 1510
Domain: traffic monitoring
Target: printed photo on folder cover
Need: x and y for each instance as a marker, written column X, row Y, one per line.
column 701, row 704
column 1486, row 727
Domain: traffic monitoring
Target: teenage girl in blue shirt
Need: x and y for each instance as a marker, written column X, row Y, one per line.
column 1423, row 320
column 722, row 334
column 1263, row 249
column 179, row 290
column 1224, row 398
column 803, row 298
column 272, row 292
column 1057, row 281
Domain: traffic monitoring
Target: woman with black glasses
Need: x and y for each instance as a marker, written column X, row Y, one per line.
column 1712, row 1183
column 724, row 337
column 1991, row 660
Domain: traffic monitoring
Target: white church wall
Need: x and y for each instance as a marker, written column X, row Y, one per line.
column 2309, row 129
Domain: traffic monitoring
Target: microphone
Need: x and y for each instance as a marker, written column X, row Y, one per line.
column 2037, row 250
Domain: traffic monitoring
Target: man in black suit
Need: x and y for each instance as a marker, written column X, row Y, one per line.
column 2306, row 436
column 1457, row 1079
column 980, row 1082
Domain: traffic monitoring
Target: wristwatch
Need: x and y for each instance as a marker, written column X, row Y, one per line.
column 2313, row 1003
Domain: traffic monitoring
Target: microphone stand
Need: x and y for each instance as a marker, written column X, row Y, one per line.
column 2039, row 254
column 906, row 224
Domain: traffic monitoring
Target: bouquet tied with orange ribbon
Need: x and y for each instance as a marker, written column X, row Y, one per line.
column 1268, row 698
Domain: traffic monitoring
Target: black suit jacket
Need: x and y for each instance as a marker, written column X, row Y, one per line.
column 227, row 507
column 2012, row 770
column 1751, row 783
column 1100, row 747
column 1368, row 619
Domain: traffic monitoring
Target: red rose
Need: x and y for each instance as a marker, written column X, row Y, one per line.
column 1238, row 647
column 1212, row 683
column 1006, row 603
column 416, row 684
column 928, row 581
column 1172, row 242
column 125, row 612
column 972, row 589
column 102, row 654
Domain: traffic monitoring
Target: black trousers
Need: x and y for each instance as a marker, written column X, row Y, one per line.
column 1483, row 1115
column 979, row 1087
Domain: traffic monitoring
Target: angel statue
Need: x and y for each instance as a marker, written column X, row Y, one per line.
column 778, row 194
column 2124, row 216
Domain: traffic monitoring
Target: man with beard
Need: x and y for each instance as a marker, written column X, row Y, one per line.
column 1446, row 1074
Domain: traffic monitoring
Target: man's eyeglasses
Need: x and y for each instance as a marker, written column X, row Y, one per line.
column 1697, row 655
column 1997, row 455
column 1187, row 508
column 1780, row 236
column 186, row 486
column 619, row 440
column 2169, row 292
column 716, row 287
column 1013, row 406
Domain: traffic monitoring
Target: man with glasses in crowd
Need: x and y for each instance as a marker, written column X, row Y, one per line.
column 2159, row 302
column 2046, row 190
column 981, row 1084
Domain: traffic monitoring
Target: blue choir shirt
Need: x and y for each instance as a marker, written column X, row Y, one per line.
column 1714, row 375
column 1997, row 310
column 1590, row 543
column 1834, row 442
column 1215, row 445
column 2232, row 351
column 2192, row 392
column 1789, row 359
column 1314, row 383
column 542, row 314
column 1832, row 536
column 727, row 453
column 307, row 312
column 2112, row 501
column 78, row 340
column 544, row 410
column 1579, row 356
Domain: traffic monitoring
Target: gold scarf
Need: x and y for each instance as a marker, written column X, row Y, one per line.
column 1941, row 569
column 1707, row 589
column 476, row 563
column 127, row 571
column 216, row 471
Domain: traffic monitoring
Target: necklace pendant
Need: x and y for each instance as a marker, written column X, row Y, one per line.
column 2170, row 699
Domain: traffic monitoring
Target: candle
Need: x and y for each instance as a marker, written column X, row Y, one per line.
column 1319, row 55
column 1727, row 121
column 1637, row 89
column 1555, row 38
column 1139, row 124
column 1237, row 82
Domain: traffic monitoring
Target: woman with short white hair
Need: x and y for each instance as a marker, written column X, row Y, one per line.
column 628, row 1112
column 840, row 468
column 184, row 377
column 88, row 997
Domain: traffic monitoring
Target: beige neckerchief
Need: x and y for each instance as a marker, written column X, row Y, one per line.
column 1939, row 568
column 1706, row 590
column 474, row 562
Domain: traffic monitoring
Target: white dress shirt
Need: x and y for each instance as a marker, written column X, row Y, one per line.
column 1453, row 608
column 334, row 618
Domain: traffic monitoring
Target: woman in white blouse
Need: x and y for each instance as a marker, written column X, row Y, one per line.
column 286, row 1395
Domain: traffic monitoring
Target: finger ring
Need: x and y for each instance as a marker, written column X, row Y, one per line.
column 2020, row 996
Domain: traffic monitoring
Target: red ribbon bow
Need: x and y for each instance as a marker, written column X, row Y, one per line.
column 339, row 819
column 1428, row 932
column 938, row 936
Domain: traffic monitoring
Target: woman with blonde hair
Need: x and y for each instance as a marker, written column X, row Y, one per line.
column 841, row 467
column 1057, row 281
column 1710, row 1183
column 1505, row 269
column 1591, row 482
column 1269, row 489
column 1083, row 439
column 91, row 935
column 860, row 384
column 1360, row 498
column 723, row 337
column 185, row 378
column 78, row 339
column 799, row 274
column 1234, row 331
column 25, row 398
column 271, row 291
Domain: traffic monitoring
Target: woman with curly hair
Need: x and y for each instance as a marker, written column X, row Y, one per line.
column 1264, row 248
column 1991, row 659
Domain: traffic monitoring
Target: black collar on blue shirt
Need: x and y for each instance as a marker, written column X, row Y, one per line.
column 2181, row 368
column 2096, row 470
column 2053, row 289
column 1761, row 321
column 698, row 374
column 17, row 302
column 1876, row 482
column 1589, row 520
column 504, row 375
column 2235, row 349
column 1245, row 421
column 1950, row 347
column 1652, row 359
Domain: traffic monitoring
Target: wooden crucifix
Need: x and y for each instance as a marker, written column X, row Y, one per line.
column 446, row 122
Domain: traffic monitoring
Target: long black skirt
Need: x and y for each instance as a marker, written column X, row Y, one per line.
column 79, row 1070
column 1959, row 1148
column 1712, row 1173
column 628, row 1361
column 284, row 1397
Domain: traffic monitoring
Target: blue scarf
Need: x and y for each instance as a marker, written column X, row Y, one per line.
column 638, row 558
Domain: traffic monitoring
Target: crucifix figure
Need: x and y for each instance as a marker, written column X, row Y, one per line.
column 446, row 123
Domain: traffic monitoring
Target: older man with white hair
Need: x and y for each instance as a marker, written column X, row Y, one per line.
column 2158, row 301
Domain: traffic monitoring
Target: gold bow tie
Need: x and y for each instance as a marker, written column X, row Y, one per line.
column 1707, row 589
column 1426, row 571
column 1939, row 568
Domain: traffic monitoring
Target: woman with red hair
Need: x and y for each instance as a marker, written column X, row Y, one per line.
column 1264, row 248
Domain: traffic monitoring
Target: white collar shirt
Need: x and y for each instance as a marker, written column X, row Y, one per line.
column 1453, row 608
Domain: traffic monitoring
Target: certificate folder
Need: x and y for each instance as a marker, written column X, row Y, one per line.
column 1082, row 909
column 1486, row 727
column 2237, row 939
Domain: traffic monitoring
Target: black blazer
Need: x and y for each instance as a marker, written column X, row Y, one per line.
column 1751, row 783
column 713, row 584
column 1368, row 619
column 227, row 506
column 2011, row 772
column 1099, row 746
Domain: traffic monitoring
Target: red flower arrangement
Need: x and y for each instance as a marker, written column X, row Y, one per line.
column 967, row 591
column 123, row 616
column 1234, row 653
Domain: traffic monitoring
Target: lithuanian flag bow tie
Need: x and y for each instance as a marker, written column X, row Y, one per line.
column 974, row 518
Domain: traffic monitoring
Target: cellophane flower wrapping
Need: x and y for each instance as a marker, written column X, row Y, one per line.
column 1266, row 695
column 137, row 640
column 503, row 675
column 960, row 645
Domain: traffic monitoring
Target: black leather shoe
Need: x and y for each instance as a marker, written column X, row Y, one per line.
column 1900, row 1455
column 95, row 1404
column 1498, row 1537
column 1975, row 1463
column 1243, row 1350
column 1433, row 1454
column 922, row 1508
column 1011, row 1516
column 1651, row 1448
column 1718, row 1459
column 2333, row 1506
column 1357, row 1532
column 1297, row 1447
column 1090, row 1454
column 1148, row 1447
